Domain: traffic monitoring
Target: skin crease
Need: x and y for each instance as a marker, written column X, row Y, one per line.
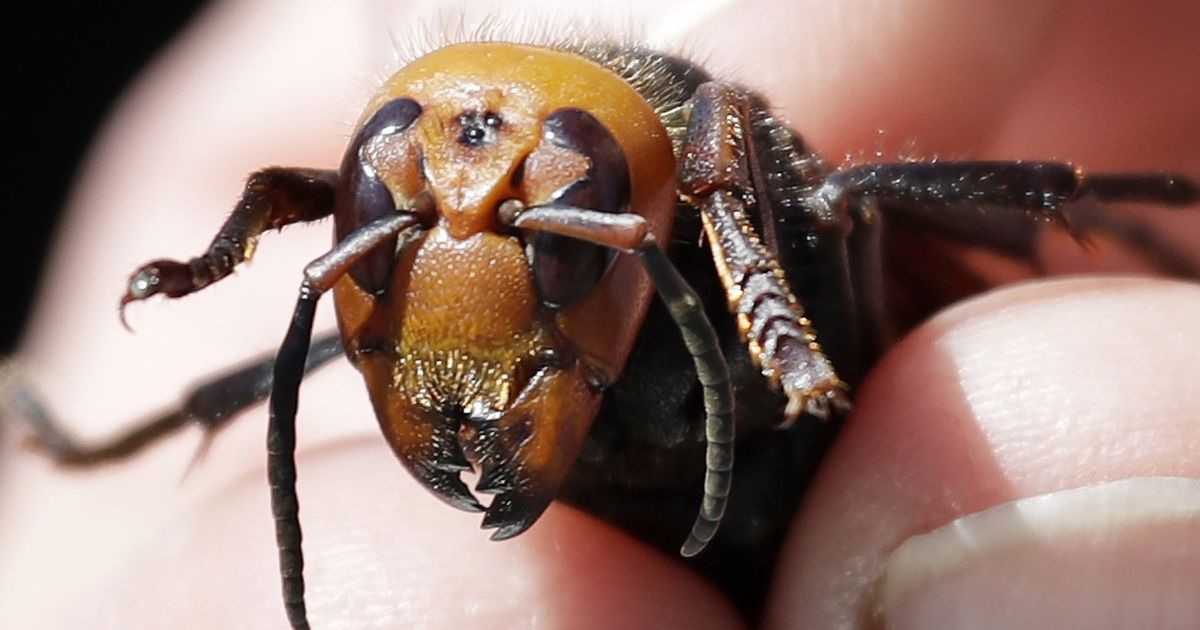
column 255, row 83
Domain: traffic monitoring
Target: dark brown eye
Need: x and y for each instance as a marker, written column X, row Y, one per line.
column 362, row 197
column 564, row 268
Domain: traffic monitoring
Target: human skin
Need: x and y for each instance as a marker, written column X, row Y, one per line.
column 955, row 420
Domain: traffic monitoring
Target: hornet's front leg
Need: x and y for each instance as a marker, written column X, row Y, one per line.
column 273, row 198
column 717, row 176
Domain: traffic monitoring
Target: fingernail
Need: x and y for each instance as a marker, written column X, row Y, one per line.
column 1124, row 554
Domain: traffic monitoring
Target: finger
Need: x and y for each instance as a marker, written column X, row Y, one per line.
column 383, row 553
column 163, row 175
column 1029, row 391
column 1116, row 93
column 934, row 76
column 1116, row 89
column 224, row 101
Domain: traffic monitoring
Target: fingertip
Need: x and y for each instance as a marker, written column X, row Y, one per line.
column 881, row 75
column 382, row 552
column 1029, row 390
column 1119, row 554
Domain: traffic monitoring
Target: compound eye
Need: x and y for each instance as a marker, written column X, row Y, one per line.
column 362, row 195
column 565, row 269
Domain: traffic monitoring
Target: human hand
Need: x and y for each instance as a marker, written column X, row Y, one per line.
column 1007, row 397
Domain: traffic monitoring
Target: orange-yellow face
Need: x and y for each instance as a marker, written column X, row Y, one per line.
column 482, row 346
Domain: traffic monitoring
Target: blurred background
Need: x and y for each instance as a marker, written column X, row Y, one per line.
column 71, row 64
column 67, row 67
